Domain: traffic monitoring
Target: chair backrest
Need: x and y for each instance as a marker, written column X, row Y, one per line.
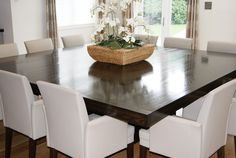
column 147, row 39
column 232, row 119
column 214, row 116
column 182, row 43
column 7, row 50
column 66, row 118
column 17, row 99
column 72, row 41
column 39, row 45
column 217, row 46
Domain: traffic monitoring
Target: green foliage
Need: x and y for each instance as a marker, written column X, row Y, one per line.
column 153, row 11
column 179, row 11
column 116, row 42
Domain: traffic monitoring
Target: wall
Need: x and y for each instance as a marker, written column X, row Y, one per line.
column 29, row 21
column 218, row 23
column 6, row 20
column 22, row 20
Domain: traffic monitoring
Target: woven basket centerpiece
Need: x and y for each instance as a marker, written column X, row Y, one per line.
column 120, row 56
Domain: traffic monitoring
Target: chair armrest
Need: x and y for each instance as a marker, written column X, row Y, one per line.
column 232, row 118
column 175, row 137
column 105, row 136
column 38, row 120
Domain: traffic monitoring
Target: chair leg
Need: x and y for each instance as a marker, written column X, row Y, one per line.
column 130, row 150
column 32, row 148
column 8, row 142
column 53, row 153
column 235, row 145
column 143, row 151
column 221, row 152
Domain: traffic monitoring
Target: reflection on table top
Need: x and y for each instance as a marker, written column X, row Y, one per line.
column 138, row 93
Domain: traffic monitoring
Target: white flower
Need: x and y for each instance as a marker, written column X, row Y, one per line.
column 100, row 27
column 130, row 21
column 123, row 29
column 111, row 22
column 98, row 8
column 112, row 8
column 117, row 20
column 129, row 39
column 123, row 5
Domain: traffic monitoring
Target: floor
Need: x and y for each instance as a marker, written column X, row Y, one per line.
column 20, row 148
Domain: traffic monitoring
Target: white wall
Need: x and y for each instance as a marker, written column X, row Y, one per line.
column 29, row 21
column 22, row 20
column 218, row 23
column 6, row 20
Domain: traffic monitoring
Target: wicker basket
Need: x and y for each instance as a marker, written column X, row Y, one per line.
column 120, row 56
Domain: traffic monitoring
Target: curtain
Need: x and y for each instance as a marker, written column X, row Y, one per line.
column 192, row 22
column 52, row 21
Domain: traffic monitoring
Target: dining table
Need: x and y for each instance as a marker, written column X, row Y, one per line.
column 140, row 93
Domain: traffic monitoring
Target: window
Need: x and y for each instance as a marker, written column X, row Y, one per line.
column 164, row 17
column 74, row 12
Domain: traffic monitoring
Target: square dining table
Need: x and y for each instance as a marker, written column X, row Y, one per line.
column 141, row 93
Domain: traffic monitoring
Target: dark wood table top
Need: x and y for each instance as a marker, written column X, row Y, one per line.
column 141, row 93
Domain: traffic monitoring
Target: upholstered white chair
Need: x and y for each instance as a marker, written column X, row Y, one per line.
column 218, row 46
column 39, row 45
column 192, row 110
column 21, row 113
column 7, row 50
column 70, row 131
column 147, row 39
column 174, row 42
column 182, row 138
column 72, row 41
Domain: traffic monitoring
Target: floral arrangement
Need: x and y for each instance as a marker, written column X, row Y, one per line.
column 115, row 28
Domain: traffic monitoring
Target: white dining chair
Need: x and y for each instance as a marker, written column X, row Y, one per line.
column 72, row 41
column 174, row 42
column 147, row 39
column 219, row 46
column 21, row 113
column 192, row 110
column 35, row 46
column 183, row 138
column 7, row 50
column 71, row 131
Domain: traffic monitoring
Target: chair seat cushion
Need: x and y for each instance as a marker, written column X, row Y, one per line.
column 130, row 134
column 93, row 117
column 144, row 137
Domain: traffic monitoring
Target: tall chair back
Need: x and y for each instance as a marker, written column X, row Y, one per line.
column 225, row 47
column 39, row 45
column 7, row 50
column 72, row 41
column 182, row 43
column 67, row 107
column 17, row 98
column 214, row 116
column 147, row 39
